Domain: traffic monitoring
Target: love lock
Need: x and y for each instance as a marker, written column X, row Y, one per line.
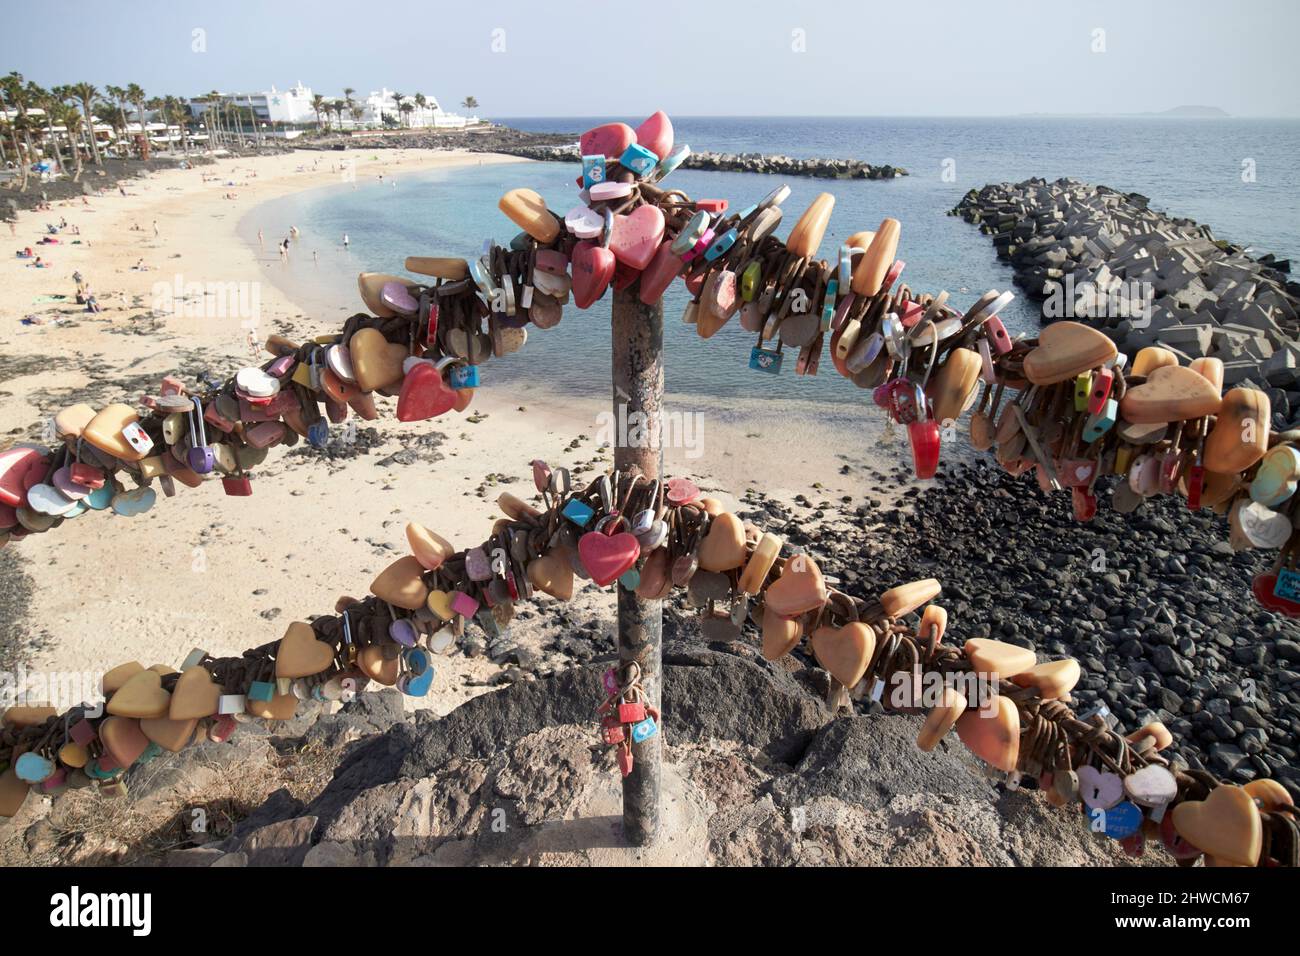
column 199, row 457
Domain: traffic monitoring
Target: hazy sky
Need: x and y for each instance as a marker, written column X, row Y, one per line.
column 909, row 57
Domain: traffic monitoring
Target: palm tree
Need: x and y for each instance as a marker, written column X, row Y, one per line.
column 174, row 112
column 71, row 120
column 469, row 103
column 397, row 101
column 406, row 110
column 356, row 112
column 318, row 104
column 16, row 94
column 118, row 96
column 421, row 101
column 86, row 93
column 49, row 102
column 347, row 97
column 136, row 95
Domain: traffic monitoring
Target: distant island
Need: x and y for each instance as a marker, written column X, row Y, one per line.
column 1177, row 112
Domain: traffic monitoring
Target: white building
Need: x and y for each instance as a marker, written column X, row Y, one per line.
column 381, row 103
column 272, row 106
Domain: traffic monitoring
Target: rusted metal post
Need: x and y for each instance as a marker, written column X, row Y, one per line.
column 638, row 353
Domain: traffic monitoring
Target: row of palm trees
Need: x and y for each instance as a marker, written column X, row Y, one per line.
column 78, row 108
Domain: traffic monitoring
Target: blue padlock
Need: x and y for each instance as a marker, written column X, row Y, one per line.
column 261, row 690
column 579, row 512
column 1119, row 822
column 1288, row 585
column 593, row 170
column 464, row 376
column 318, row 434
column 828, row 308
column 639, row 160
column 644, row 730
column 419, row 673
column 33, row 768
column 1100, row 423
column 720, row 245
column 675, row 158
column 761, row 360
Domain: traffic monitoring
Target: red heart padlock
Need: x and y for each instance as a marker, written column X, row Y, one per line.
column 593, row 268
column 425, row 394
column 1195, row 485
column 923, row 436
column 237, row 486
column 624, row 276
column 607, row 557
column 1084, row 504
column 1261, row 586
column 659, row 273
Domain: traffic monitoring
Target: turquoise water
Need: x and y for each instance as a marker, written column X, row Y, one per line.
column 1188, row 167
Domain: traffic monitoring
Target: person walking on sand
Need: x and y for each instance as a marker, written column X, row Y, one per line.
column 155, row 228
column 261, row 243
column 346, row 240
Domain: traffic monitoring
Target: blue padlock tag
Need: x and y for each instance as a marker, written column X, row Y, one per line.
column 631, row 579
column 675, row 158
column 644, row 730
column 1119, row 822
column 33, row 768
column 761, row 360
column 464, row 376
column 1288, row 585
column 579, row 512
column 639, row 160
column 593, row 170
column 261, row 690
column 318, row 434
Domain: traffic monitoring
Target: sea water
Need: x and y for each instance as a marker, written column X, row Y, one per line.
column 1238, row 176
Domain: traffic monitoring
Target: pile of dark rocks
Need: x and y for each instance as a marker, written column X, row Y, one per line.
column 1155, row 606
column 1097, row 255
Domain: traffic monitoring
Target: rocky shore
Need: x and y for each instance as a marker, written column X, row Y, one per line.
column 1153, row 605
column 774, row 165
column 562, row 148
column 1101, row 256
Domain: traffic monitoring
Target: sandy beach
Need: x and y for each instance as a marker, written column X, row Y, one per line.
column 225, row 574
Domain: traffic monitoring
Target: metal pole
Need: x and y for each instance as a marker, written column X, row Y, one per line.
column 638, row 352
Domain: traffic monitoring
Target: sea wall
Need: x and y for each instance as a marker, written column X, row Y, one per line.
column 775, row 165
column 1097, row 255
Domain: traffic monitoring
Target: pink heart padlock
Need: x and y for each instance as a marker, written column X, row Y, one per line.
column 593, row 268
column 660, row 273
column 635, row 238
column 610, row 140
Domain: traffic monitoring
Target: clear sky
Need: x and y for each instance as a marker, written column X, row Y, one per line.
column 756, row 57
